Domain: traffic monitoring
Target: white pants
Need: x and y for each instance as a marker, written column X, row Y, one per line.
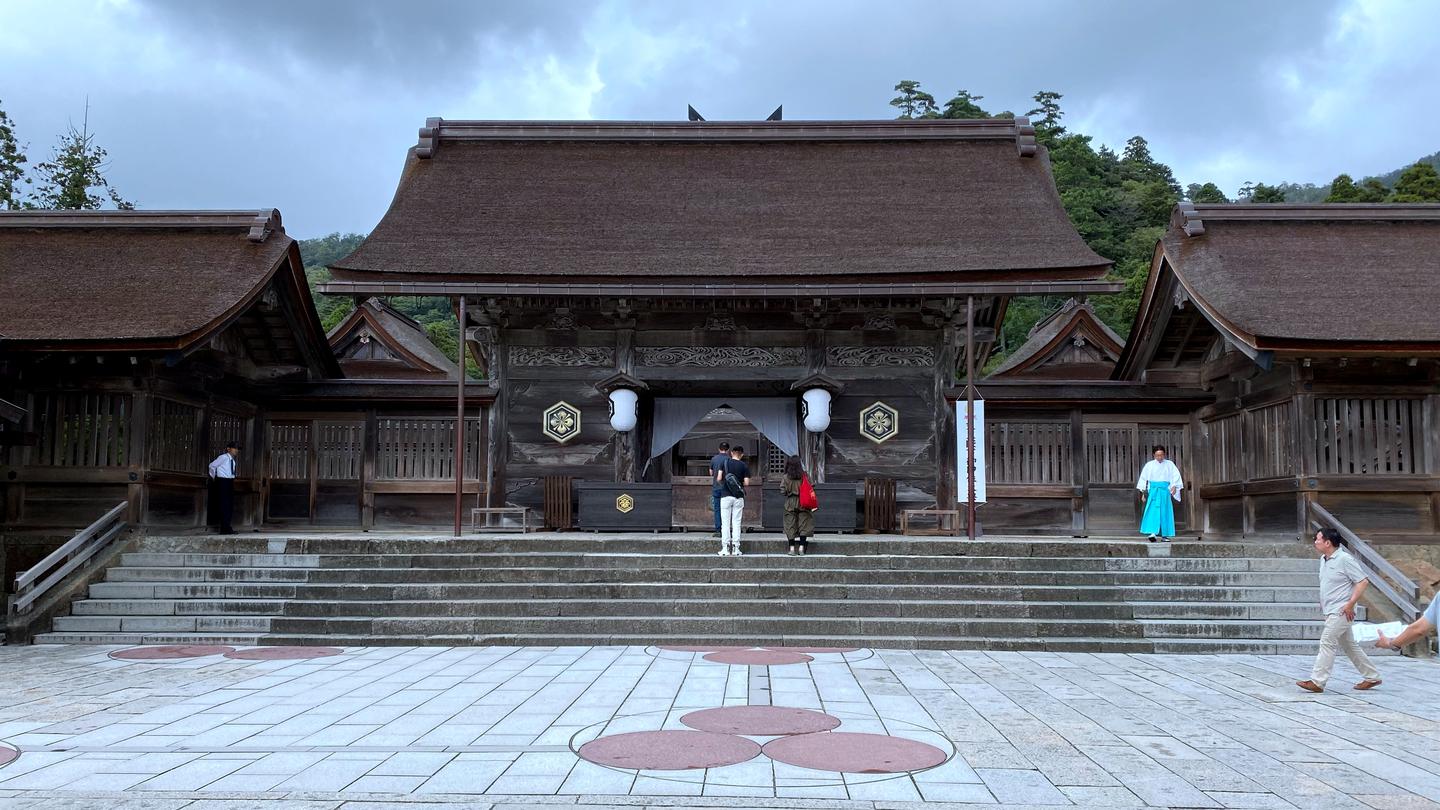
column 731, row 511
column 1337, row 636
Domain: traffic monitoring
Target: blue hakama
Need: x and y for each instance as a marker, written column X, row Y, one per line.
column 1159, row 515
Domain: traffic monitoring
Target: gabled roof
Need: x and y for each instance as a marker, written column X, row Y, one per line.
column 714, row 203
column 377, row 341
column 1072, row 343
column 1356, row 278
column 147, row 280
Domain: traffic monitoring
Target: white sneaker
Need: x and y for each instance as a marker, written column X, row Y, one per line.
column 735, row 551
column 724, row 552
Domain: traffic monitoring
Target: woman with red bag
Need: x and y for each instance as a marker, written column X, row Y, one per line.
column 800, row 506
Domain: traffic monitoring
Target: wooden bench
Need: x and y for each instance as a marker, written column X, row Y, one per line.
column 940, row 516
column 522, row 513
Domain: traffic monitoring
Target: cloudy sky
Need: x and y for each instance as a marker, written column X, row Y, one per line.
column 309, row 105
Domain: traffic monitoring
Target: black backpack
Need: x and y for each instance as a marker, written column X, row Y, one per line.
column 730, row 484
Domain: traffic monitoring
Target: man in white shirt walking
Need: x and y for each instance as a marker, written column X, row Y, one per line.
column 222, row 477
column 1342, row 583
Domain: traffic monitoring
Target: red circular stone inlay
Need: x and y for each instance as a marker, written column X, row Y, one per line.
column 669, row 750
column 814, row 649
column 758, row 657
column 701, row 648
column 854, row 753
column 760, row 721
column 171, row 652
column 7, row 755
column 282, row 653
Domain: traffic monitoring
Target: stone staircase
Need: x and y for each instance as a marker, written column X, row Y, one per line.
column 999, row 593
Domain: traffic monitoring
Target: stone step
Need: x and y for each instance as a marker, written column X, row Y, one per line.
column 1231, row 628
column 1076, row 644
column 179, row 607
column 620, row 560
column 702, row 607
column 707, row 626
column 804, row 572
column 341, row 592
column 163, row 624
column 673, row 542
column 1255, row 611
column 130, row 639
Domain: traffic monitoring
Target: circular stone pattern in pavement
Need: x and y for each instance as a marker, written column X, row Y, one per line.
column 758, row 657
column 854, row 753
column 669, row 750
column 7, row 755
column 282, row 653
column 814, row 649
column 760, row 721
column 171, row 652
column 700, row 648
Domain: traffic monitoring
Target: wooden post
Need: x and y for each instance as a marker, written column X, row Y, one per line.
column 970, row 413
column 139, row 455
column 1079, row 476
column 460, row 420
column 367, row 471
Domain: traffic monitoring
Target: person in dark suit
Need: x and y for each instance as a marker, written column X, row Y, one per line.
column 222, row 481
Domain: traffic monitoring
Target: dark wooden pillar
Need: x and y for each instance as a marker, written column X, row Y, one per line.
column 945, row 447
column 367, row 471
column 139, row 456
column 1079, row 475
column 462, row 351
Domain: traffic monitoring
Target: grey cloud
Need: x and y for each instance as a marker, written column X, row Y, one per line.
column 415, row 41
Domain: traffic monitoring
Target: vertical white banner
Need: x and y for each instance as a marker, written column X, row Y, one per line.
column 962, row 477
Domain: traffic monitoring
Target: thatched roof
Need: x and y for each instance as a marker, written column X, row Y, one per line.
column 1287, row 275
column 718, row 204
column 138, row 280
column 1071, row 343
column 377, row 341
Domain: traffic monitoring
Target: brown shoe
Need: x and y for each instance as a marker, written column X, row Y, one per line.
column 1310, row 686
column 1363, row 685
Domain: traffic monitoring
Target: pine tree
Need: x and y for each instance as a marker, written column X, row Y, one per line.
column 74, row 178
column 914, row 102
column 1343, row 190
column 1417, row 184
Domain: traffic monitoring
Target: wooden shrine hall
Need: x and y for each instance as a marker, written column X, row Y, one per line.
column 634, row 293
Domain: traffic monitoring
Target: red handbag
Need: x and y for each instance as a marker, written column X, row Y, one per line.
column 808, row 500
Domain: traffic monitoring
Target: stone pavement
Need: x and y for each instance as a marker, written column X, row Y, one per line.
column 480, row 727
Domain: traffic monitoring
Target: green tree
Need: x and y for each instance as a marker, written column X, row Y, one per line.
column 74, row 178
column 1047, row 114
column 1417, row 184
column 1343, row 190
column 963, row 105
column 914, row 102
column 1262, row 193
column 1373, row 191
column 1205, row 193
column 12, row 165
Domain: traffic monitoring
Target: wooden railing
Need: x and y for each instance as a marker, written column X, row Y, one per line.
column 1404, row 593
column 89, row 541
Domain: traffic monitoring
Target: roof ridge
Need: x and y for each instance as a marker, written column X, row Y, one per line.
column 259, row 223
column 1191, row 217
column 1017, row 129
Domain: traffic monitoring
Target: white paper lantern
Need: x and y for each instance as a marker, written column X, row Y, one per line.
column 817, row 409
column 624, row 409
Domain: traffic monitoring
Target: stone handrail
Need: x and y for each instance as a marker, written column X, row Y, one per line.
column 89, row 541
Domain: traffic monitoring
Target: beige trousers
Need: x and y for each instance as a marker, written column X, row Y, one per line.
column 1337, row 636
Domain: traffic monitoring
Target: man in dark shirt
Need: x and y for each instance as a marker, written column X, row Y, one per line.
column 732, row 504
column 717, row 463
